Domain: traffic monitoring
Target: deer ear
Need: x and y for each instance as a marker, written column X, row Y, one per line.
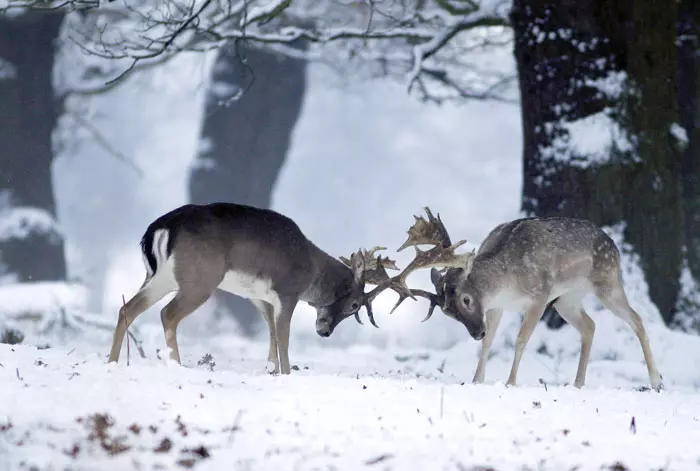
column 470, row 261
column 435, row 276
column 358, row 267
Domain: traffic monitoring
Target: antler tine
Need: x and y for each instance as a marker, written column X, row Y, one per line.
column 374, row 273
column 431, row 231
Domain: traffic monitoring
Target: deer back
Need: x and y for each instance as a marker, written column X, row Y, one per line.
column 535, row 256
column 246, row 244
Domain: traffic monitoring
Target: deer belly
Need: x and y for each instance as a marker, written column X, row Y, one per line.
column 248, row 286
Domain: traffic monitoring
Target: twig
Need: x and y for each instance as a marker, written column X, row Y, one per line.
column 89, row 320
column 106, row 145
column 236, row 426
column 128, row 346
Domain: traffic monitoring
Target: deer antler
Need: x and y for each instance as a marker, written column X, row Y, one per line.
column 375, row 267
column 374, row 272
column 431, row 231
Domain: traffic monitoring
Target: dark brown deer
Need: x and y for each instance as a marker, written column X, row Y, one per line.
column 524, row 265
column 255, row 253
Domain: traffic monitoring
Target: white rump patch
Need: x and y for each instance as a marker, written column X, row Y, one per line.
column 247, row 286
column 162, row 282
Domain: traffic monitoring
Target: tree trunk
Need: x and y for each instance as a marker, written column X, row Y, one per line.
column 654, row 213
column 560, row 52
column 244, row 142
column 689, row 118
column 30, row 246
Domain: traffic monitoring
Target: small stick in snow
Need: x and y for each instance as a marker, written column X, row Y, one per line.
column 236, row 426
column 544, row 383
column 633, row 426
column 128, row 347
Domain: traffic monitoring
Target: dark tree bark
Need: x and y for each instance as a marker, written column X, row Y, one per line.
column 689, row 118
column 244, row 142
column 556, row 47
column 28, row 113
column 655, row 212
column 559, row 50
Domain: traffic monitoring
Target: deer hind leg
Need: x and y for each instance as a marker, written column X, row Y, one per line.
column 151, row 291
column 615, row 300
column 530, row 320
column 268, row 312
column 283, row 320
column 181, row 306
column 570, row 308
column 493, row 319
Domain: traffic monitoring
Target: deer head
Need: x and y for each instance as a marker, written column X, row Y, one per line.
column 430, row 231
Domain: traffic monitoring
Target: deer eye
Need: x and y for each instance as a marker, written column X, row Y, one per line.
column 355, row 306
column 467, row 300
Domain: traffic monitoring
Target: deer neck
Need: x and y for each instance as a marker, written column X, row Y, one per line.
column 332, row 279
column 487, row 279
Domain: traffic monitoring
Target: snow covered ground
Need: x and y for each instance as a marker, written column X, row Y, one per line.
column 355, row 408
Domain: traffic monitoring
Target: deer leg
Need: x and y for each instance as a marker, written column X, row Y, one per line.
column 616, row 301
column 283, row 319
column 570, row 308
column 267, row 310
column 151, row 292
column 181, row 306
column 530, row 320
column 493, row 318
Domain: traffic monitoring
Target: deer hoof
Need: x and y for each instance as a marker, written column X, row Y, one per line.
column 272, row 368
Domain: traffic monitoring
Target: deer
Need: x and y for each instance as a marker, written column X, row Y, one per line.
column 255, row 253
column 525, row 265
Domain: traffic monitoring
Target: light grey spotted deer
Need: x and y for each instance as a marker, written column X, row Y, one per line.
column 254, row 253
column 524, row 265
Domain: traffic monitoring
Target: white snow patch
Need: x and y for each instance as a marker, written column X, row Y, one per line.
column 680, row 134
column 592, row 139
column 589, row 140
column 19, row 222
column 8, row 71
column 687, row 318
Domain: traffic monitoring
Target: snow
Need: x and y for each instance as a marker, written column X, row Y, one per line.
column 688, row 304
column 343, row 409
column 8, row 70
column 18, row 300
column 588, row 141
column 18, row 222
column 593, row 139
column 680, row 134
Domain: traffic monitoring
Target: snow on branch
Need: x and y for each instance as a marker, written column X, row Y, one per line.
column 429, row 42
column 20, row 222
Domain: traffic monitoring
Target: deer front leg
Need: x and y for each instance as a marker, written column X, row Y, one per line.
column 283, row 319
column 493, row 318
column 267, row 311
column 532, row 317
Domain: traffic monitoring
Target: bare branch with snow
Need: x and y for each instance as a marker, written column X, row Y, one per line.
column 427, row 42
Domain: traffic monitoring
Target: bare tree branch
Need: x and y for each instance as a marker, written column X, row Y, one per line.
column 101, row 140
column 416, row 39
